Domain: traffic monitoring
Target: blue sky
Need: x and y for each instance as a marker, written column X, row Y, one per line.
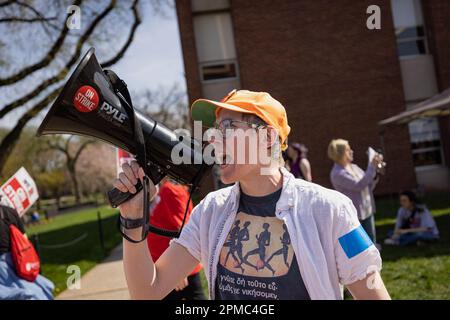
column 153, row 60
column 155, row 56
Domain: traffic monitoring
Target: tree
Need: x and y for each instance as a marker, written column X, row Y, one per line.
column 97, row 161
column 165, row 105
column 47, row 167
column 51, row 184
column 72, row 152
column 95, row 167
column 54, row 50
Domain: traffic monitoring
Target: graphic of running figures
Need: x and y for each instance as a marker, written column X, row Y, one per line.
column 236, row 237
column 263, row 241
column 285, row 241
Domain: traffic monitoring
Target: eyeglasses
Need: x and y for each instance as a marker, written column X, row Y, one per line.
column 227, row 126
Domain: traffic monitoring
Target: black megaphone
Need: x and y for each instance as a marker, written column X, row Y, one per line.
column 96, row 103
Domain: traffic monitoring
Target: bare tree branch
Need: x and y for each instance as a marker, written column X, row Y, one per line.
column 68, row 142
column 62, row 74
column 10, row 140
column 6, row 3
column 21, row 101
column 30, row 7
column 166, row 105
column 66, row 148
column 35, row 11
column 137, row 22
column 89, row 31
column 71, row 161
column 160, row 7
column 44, row 62
column 54, row 146
column 82, row 147
column 25, row 20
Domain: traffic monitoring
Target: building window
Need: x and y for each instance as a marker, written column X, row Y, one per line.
column 409, row 27
column 426, row 142
column 216, row 53
column 209, row 5
column 214, row 37
column 218, row 71
column 411, row 41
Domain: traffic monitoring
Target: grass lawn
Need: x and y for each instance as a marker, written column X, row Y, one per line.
column 416, row 272
column 68, row 227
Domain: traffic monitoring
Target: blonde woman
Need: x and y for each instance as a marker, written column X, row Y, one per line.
column 357, row 184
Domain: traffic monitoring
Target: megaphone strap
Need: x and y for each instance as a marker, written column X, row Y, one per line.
column 119, row 85
column 130, row 223
column 121, row 89
column 122, row 229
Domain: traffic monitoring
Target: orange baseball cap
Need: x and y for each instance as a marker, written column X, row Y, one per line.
column 261, row 104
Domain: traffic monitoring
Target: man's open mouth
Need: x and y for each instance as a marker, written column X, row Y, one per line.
column 224, row 160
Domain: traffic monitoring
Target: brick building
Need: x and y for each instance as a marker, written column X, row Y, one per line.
column 335, row 77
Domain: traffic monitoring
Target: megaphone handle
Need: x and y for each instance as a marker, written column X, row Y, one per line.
column 117, row 197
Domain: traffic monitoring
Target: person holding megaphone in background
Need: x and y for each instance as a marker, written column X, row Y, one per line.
column 305, row 241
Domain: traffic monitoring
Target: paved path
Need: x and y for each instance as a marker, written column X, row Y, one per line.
column 106, row 281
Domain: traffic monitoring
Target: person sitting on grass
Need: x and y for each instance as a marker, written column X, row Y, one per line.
column 415, row 224
column 35, row 217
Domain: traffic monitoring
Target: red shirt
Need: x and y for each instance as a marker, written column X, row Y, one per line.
column 168, row 214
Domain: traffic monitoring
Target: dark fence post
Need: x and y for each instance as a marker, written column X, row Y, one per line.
column 100, row 232
column 35, row 240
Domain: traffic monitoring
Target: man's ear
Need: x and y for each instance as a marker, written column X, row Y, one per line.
column 272, row 136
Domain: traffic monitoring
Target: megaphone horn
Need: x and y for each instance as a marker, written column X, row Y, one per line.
column 90, row 105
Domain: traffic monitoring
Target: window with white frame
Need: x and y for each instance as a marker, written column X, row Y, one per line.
column 209, row 5
column 218, row 70
column 216, row 51
column 426, row 142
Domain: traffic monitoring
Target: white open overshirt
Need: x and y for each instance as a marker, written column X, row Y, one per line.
column 323, row 226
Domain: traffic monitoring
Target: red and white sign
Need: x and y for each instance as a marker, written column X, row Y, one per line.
column 122, row 157
column 85, row 99
column 19, row 192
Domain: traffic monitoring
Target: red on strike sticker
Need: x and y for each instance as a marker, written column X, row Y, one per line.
column 85, row 99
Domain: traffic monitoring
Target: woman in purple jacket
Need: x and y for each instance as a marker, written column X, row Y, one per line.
column 297, row 162
column 357, row 184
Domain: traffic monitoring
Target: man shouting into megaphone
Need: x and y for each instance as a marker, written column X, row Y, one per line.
column 268, row 236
